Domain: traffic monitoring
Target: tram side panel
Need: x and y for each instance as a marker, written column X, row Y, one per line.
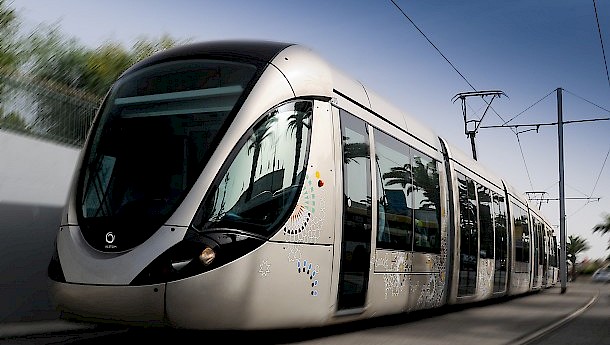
column 479, row 238
column 287, row 281
column 408, row 242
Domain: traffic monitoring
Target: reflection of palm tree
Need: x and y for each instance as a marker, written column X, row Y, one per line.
column 301, row 118
column 223, row 201
column 428, row 182
column 351, row 151
column 256, row 142
column 399, row 175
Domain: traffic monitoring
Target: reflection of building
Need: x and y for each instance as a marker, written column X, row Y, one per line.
column 397, row 203
column 427, row 218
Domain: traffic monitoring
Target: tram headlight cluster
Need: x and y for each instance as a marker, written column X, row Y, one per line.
column 197, row 253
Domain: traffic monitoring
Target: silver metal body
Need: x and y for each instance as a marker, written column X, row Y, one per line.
column 267, row 288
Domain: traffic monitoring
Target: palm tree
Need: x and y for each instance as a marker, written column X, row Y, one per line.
column 604, row 227
column 575, row 245
column 13, row 121
column 301, row 118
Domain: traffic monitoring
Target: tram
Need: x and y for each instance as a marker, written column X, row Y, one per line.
column 252, row 185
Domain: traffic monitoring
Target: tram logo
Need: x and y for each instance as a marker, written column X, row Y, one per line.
column 110, row 237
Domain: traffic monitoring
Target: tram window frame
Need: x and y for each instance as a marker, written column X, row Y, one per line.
column 555, row 252
column 521, row 222
column 541, row 250
column 401, row 175
column 357, row 211
column 265, row 204
column 468, row 235
column 469, row 219
column 501, row 239
column 420, row 194
column 486, row 228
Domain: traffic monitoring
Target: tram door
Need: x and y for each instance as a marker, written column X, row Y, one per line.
column 469, row 236
column 356, row 237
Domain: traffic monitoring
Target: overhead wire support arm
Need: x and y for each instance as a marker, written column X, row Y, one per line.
column 537, row 125
column 471, row 133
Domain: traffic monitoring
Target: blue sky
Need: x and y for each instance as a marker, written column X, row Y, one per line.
column 525, row 48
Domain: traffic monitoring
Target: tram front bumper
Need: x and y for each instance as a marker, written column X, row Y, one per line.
column 132, row 305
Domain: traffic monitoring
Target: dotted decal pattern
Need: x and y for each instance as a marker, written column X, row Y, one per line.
column 486, row 271
column 307, row 269
column 265, row 268
column 394, row 282
column 431, row 292
column 305, row 223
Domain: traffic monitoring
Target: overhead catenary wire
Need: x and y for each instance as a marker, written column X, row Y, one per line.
column 595, row 185
column 586, row 100
column 528, row 108
column 600, row 173
column 513, row 128
column 463, row 77
column 433, row 45
column 601, row 41
column 524, row 163
column 443, row 55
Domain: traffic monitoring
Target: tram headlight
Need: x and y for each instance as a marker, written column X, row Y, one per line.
column 207, row 256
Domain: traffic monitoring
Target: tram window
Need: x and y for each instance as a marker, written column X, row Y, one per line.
column 501, row 242
column 155, row 134
column 468, row 236
column 258, row 189
column 468, row 220
column 426, row 203
column 487, row 234
column 522, row 238
column 555, row 251
column 357, row 212
column 541, row 250
column 395, row 182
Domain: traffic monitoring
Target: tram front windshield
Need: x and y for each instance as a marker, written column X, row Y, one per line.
column 155, row 134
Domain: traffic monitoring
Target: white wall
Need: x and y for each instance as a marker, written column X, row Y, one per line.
column 34, row 171
column 35, row 176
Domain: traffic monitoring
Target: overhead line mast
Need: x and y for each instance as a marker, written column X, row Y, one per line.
column 472, row 126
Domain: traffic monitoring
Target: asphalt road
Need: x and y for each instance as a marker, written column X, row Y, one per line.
column 27, row 235
column 580, row 316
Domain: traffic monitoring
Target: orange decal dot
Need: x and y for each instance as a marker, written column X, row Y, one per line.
column 317, row 174
column 320, row 183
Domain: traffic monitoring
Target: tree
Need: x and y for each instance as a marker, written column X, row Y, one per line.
column 145, row 47
column 12, row 121
column 575, row 245
column 9, row 42
column 603, row 227
column 67, row 64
